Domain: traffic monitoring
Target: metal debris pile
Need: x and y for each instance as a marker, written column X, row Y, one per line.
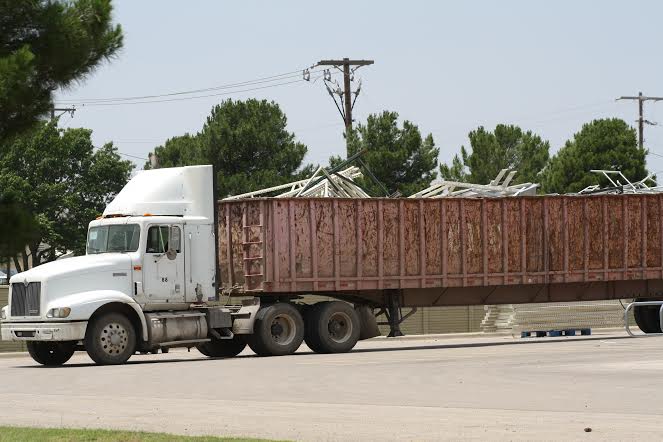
column 340, row 182
column 322, row 184
column 500, row 186
column 621, row 184
column 331, row 182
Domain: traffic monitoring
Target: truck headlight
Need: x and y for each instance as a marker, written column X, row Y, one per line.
column 61, row 312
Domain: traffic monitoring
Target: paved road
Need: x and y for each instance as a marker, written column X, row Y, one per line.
column 459, row 388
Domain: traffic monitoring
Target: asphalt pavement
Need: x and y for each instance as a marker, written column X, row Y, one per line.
column 470, row 387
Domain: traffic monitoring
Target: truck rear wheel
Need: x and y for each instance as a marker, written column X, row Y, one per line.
column 278, row 330
column 110, row 339
column 646, row 316
column 223, row 348
column 51, row 353
column 332, row 327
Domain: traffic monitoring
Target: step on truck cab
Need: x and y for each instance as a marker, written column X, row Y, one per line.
column 147, row 283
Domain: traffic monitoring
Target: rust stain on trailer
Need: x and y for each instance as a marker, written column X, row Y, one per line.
column 302, row 245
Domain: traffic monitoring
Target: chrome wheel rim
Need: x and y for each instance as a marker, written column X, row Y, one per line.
column 114, row 339
column 339, row 327
column 283, row 329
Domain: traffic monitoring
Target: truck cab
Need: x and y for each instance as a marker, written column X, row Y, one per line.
column 151, row 251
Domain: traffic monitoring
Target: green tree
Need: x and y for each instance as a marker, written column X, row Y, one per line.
column 247, row 142
column 18, row 228
column 46, row 45
column 400, row 158
column 507, row 147
column 602, row 144
column 63, row 183
column 177, row 151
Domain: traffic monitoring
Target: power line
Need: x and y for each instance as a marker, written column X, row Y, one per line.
column 122, row 103
column 262, row 80
column 641, row 119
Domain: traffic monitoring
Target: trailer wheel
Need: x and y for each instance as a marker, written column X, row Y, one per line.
column 278, row 330
column 110, row 339
column 51, row 353
column 332, row 327
column 646, row 316
column 223, row 348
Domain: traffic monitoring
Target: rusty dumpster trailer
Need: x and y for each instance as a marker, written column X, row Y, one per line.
column 394, row 253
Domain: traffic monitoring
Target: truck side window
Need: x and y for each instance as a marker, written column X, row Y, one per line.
column 157, row 239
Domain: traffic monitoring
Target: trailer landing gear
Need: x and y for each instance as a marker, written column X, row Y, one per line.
column 394, row 313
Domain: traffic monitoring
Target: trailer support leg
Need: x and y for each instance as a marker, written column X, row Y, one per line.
column 394, row 313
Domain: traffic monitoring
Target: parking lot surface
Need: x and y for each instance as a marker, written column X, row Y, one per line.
column 456, row 388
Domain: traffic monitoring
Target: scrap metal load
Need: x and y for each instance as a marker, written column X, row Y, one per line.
column 321, row 184
column 340, row 182
column 500, row 186
column 333, row 182
column 621, row 184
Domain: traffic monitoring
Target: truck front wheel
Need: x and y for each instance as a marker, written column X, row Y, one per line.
column 110, row 339
column 332, row 327
column 278, row 330
column 51, row 353
column 223, row 348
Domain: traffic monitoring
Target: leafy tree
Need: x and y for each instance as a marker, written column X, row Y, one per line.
column 63, row 183
column 399, row 158
column 177, row 151
column 18, row 227
column 507, row 147
column 46, row 45
column 602, row 144
column 248, row 144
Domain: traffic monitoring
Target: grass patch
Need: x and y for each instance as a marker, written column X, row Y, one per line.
column 21, row 434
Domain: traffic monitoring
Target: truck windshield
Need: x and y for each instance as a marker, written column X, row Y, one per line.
column 115, row 238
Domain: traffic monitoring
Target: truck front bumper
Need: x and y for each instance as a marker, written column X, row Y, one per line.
column 43, row 331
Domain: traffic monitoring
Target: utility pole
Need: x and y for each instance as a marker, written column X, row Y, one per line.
column 348, row 67
column 641, row 119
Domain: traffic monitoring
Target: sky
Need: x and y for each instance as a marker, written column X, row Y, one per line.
column 448, row 67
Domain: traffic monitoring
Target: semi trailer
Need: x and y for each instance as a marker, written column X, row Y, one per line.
column 166, row 260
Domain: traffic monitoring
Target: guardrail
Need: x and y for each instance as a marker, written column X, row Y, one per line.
column 641, row 304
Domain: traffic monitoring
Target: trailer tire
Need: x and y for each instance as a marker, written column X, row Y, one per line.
column 223, row 348
column 110, row 339
column 51, row 354
column 646, row 317
column 332, row 327
column 278, row 330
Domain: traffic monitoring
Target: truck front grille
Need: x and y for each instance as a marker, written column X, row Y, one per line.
column 25, row 299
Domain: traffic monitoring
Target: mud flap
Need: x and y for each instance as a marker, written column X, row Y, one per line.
column 369, row 325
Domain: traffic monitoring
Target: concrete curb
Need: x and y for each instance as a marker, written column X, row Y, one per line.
column 436, row 336
column 14, row 354
column 473, row 335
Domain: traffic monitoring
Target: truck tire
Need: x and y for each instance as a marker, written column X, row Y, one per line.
column 51, row 354
column 223, row 348
column 110, row 339
column 332, row 327
column 278, row 330
column 646, row 316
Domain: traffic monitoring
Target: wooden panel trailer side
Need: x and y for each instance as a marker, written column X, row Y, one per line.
column 436, row 252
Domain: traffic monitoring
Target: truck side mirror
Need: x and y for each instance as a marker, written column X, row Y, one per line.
column 173, row 242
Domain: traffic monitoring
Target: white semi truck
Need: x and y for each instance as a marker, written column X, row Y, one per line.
column 165, row 252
